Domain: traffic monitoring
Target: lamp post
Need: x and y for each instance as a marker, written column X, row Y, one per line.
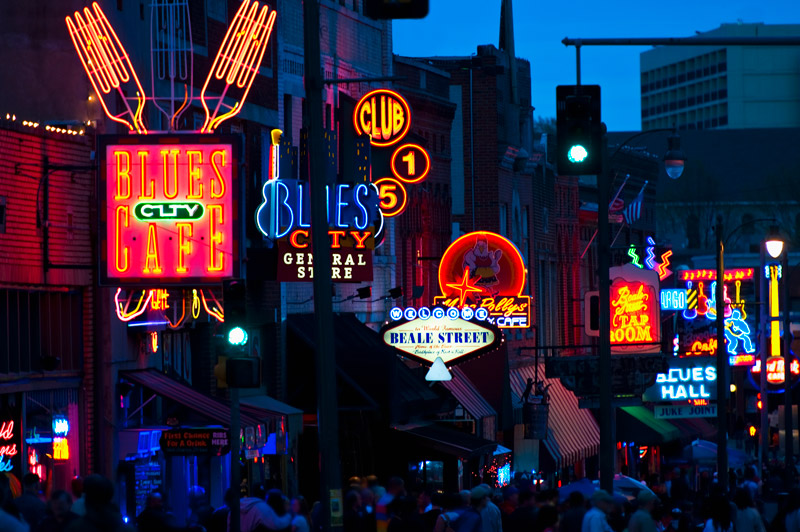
column 776, row 248
column 674, row 161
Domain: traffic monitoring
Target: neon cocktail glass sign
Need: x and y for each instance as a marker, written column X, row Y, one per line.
column 169, row 209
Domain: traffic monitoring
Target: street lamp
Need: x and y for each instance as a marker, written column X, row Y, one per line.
column 774, row 243
column 674, row 162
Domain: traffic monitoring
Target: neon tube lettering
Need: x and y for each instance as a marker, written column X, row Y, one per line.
column 152, row 251
column 121, row 157
column 185, row 231
column 174, row 155
column 361, row 189
column 123, row 218
column 339, row 204
column 216, row 259
column 195, row 174
column 216, row 194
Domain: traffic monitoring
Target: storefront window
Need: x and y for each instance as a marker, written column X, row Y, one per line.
column 428, row 473
column 52, row 439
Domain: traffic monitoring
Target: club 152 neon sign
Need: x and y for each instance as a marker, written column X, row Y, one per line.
column 169, row 209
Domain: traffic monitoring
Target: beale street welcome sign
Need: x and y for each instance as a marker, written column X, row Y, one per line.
column 449, row 338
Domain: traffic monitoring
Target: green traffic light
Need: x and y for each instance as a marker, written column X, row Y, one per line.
column 237, row 336
column 577, row 154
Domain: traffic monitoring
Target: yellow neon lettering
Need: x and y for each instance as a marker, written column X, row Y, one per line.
column 366, row 126
column 121, row 216
column 143, row 192
column 214, row 193
column 194, row 174
column 167, row 165
column 119, row 158
column 185, row 230
column 398, row 119
column 216, row 259
column 386, row 117
column 409, row 159
column 152, row 251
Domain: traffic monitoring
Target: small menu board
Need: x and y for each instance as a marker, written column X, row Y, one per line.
column 213, row 442
column 147, row 478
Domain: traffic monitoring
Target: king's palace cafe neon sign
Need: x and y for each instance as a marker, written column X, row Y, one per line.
column 169, row 208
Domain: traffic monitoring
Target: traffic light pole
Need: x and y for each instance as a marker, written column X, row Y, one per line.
column 787, row 374
column 722, row 365
column 327, row 404
column 236, row 472
column 604, row 346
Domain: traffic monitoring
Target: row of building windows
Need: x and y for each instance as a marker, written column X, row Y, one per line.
column 683, row 78
column 707, row 123
column 695, row 68
column 690, row 101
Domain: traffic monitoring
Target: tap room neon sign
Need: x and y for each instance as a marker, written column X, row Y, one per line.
column 169, row 205
column 635, row 310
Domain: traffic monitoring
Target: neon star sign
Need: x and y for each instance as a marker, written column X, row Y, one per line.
column 170, row 206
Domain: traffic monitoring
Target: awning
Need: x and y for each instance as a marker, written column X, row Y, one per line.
column 638, row 424
column 572, row 433
column 466, row 394
column 450, row 441
column 207, row 407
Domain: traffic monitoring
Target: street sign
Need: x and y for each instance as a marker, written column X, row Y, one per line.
column 684, row 411
column 213, row 442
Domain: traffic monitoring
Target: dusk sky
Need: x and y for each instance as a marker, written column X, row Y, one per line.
column 457, row 27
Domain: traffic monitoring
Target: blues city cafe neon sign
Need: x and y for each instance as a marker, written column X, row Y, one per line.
column 441, row 334
column 686, row 380
column 169, row 209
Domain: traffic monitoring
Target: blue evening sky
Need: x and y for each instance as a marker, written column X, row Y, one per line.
column 457, row 27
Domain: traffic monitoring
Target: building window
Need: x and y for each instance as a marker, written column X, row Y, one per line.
column 2, row 215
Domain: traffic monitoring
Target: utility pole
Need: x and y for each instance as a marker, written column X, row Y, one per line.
column 722, row 365
column 787, row 362
column 327, row 404
column 604, row 346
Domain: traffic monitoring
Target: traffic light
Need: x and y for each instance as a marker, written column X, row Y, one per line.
column 234, row 293
column 579, row 130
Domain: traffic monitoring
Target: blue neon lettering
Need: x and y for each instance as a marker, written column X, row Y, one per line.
column 285, row 202
column 300, row 201
column 357, row 202
column 339, row 204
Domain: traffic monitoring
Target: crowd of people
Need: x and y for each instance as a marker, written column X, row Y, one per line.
column 670, row 506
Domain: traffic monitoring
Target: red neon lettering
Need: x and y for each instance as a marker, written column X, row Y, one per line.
column 143, row 193
column 214, row 193
column 295, row 242
column 120, row 157
column 185, row 230
column 360, row 242
column 122, row 219
column 194, row 174
column 335, row 238
column 7, row 430
column 152, row 251
column 174, row 154
column 216, row 260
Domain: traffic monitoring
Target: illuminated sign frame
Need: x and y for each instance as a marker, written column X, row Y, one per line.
column 635, row 310
column 428, row 336
column 498, row 290
column 233, row 229
column 380, row 98
column 686, row 379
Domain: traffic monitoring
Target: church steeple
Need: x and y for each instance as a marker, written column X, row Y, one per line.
column 507, row 44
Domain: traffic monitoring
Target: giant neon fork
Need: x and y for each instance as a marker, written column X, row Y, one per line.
column 107, row 64
column 237, row 61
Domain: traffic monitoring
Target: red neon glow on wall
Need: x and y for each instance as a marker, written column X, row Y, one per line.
column 384, row 115
column 169, row 211
column 711, row 275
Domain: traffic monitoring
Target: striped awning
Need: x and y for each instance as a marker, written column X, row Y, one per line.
column 467, row 394
column 572, row 432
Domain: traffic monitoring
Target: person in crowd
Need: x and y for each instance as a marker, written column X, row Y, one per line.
column 301, row 515
column 596, row 519
column 523, row 519
column 431, row 515
column 642, row 519
column 101, row 514
column 792, row 519
column 219, row 519
column 510, row 501
column 547, row 519
column 154, row 517
column 200, row 509
column 354, row 520
column 573, row 516
column 451, row 511
column 355, row 483
column 491, row 518
column 470, row 518
column 405, row 516
column 747, row 517
column 750, row 482
column 368, row 507
column 679, row 487
column 395, row 488
column 721, row 515
column 280, row 505
column 59, row 514
column 10, row 518
column 257, row 515
column 79, row 500
column 30, row 503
